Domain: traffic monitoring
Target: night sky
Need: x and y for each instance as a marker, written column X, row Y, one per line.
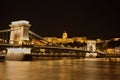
column 90, row 18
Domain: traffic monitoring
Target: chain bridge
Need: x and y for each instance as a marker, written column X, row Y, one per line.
column 20, row 43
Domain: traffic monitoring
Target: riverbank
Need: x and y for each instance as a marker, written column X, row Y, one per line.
column 108, row 56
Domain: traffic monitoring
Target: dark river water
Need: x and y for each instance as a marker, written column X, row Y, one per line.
column 62, row 69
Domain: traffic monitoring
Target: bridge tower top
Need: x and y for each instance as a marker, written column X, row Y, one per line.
column 19, row 31
column 21, row 23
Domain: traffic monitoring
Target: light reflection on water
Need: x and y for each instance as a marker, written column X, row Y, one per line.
column 66, row 69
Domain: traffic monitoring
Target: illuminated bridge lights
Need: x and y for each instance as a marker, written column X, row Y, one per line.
column 19, row 50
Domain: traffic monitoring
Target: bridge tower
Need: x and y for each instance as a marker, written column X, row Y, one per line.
column 91, row 46
column 19, row 33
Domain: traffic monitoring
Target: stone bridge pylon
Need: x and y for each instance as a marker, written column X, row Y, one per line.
column 19, row 33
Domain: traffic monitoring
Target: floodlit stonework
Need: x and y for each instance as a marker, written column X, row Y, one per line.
column 19, row 31
column 65, row 39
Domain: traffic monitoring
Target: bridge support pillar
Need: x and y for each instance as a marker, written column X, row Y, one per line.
column 19, row 54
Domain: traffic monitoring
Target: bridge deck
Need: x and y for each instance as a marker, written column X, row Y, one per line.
column 45, row 47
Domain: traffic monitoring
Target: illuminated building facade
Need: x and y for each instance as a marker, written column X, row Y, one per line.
column 65, row 39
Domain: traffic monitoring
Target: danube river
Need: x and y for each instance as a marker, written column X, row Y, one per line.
column 62, row 69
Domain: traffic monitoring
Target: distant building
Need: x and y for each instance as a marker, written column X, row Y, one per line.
column 64, row 36
column 99, row 40
column 115, row 39
column 65, row 39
